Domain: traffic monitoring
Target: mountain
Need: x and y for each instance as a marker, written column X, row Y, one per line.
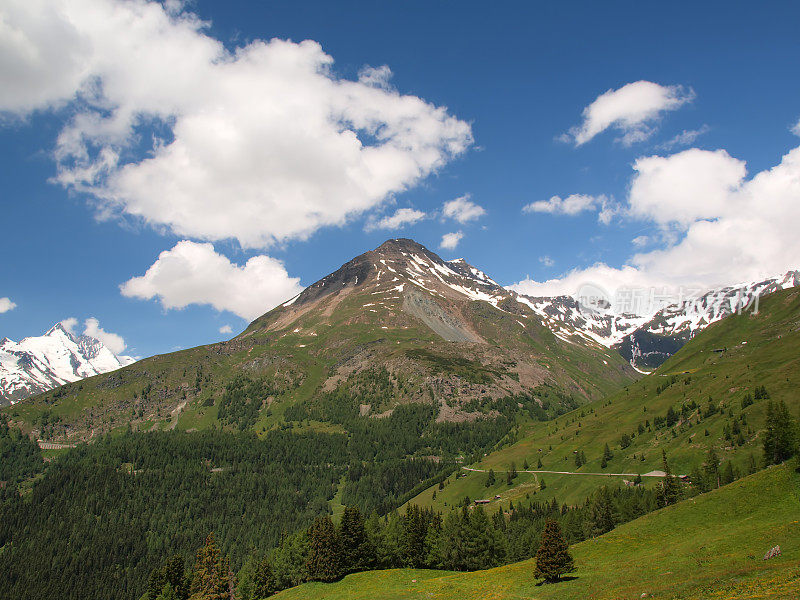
column 714, row 392
column 38, row 364
column 647, row 338
column 394, row 326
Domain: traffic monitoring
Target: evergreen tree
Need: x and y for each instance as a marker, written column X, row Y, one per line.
column 553, row 558
column 711, row 468
column 539, row 464
column 607, row 456
column 211, row 576
column 264, row 584
column 600, row 515
column 671, row 490
column 490, row 480
column 358, row 553
column 727, row 475
column 780, row 437
column 324, row 551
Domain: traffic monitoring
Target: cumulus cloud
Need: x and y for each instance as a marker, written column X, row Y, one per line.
column 6, row 305
column 546, row 261
column 193, row 273
column 575, row 204
column 728, row 228
column 226, row 329
column 399, row 219
column 684, row 187
column 462, row 209
column 633, row 110
column 796, row 129
column 263, row 143
column 112, row 341
column 451, row 240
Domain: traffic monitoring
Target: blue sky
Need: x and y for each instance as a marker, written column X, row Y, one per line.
column 690, row 151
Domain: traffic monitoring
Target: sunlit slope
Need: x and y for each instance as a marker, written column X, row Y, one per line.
column 720, row 367
column 444, row 332
column 708, row 547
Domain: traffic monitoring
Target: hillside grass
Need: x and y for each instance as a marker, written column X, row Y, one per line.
column 708, row 547
column 761, row 349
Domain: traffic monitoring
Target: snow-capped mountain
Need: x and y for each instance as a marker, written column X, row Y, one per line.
column 648, row 338
column 37, row 364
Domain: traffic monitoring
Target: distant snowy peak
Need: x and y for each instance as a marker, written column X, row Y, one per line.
column 684, row 317
column 37, row 364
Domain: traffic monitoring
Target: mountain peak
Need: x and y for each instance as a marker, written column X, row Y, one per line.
column 400, row 245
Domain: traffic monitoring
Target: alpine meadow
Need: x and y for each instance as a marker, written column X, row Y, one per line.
column 415, row 301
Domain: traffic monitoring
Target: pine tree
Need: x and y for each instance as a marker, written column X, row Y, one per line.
column 358, row 553
column 264, row 584
column 727, row 475
column 780, row 437
column 553, row 558
column 607, row 456
column 324, row 551
column 711, row 468
column 671, row 490
column 600, row 515
column 211, row 577
column 490, row 480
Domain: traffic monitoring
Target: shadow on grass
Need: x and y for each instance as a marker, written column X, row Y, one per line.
column 567, row 578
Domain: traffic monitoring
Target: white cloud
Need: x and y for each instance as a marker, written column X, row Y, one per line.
column 640, row 241
column 112, row 341
column 6, row 305
column 687, row 137
column 684, row 187
column 400, row 218
column 451, row 240
column 796, row 129
column 261, row 144
column 546, row 261
column 575, row 204
column 193, row 273
column 226, row 329
column 462, row 209
column 633, row 110
column 70, row 324
column 727, row 229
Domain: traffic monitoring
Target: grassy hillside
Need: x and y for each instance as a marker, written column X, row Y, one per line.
column 707, row 547
column 441, row 347
column 705, row 385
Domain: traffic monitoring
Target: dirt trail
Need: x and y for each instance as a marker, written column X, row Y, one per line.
column 650, row 474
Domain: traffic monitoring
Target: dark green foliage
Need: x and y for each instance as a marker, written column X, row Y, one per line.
column 324, row 561
column 599, row 513
column 607, row 456
column 243, row 399
column 20, row 458
column 780, row 438
column 358, row 552
column 553, row 558
column 470, row 370
column 490, row 479
column 106, row 514
column 171, row 574
column 671, row 489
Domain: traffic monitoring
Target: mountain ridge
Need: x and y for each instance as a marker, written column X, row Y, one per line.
column 39, row 363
